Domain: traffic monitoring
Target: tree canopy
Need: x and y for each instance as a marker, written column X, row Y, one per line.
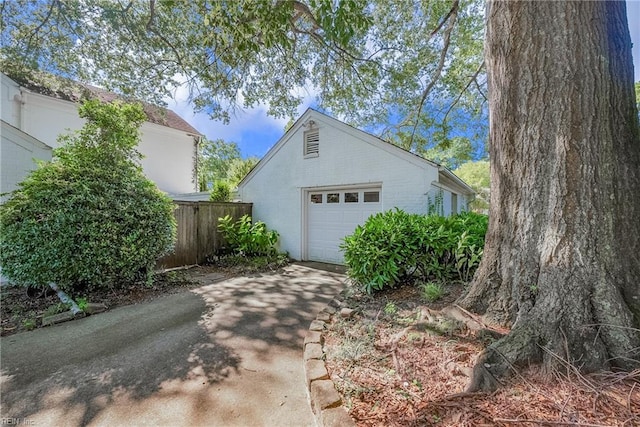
column 408, row 71
column 214, row 159
column 477, row 175
column 220, row 166
column 239, row 168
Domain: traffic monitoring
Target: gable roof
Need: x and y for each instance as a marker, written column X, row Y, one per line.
column 373, row 139
column 68, row 90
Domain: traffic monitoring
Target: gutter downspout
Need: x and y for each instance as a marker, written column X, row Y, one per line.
column 21, row 100
column 197, row 139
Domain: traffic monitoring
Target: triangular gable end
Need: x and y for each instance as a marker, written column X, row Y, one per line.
column 355, row 132
column 276, row 147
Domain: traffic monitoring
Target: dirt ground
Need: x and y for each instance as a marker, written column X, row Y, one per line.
column 395, row 368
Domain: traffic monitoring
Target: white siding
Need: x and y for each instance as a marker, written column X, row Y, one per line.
column 169, row 153
column 46, row 118
column 169, row 158
column 346, row 156
column 9, row 106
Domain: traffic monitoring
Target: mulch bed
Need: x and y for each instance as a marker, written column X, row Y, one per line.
column 392, row 369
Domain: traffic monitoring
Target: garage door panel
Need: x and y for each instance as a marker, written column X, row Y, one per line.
column 328, row 223
column 352, row 217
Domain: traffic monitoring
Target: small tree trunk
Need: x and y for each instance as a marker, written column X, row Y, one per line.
column 561, row 263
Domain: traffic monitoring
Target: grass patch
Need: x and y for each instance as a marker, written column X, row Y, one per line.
column 432, row 291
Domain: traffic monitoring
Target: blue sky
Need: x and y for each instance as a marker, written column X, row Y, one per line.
column 255, row 132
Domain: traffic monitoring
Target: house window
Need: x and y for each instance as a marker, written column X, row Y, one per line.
column 312, row 143
column 371, row 196
column 351, row 197
column 316, row 198
column 333, row 198
column 454, row 203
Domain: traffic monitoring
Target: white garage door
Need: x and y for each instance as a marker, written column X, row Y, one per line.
column 334, row 214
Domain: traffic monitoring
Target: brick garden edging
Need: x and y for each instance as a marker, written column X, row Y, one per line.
column 325, row 399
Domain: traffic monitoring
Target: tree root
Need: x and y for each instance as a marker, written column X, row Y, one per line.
column 481, row 378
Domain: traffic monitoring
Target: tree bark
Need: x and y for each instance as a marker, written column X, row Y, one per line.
column 561, row 264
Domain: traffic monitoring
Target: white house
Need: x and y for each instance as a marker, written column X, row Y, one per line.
column 33, row 115
column 324, row 177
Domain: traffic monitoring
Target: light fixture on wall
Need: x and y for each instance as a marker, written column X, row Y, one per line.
column 310, row 124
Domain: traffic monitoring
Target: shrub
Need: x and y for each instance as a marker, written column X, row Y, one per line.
column 246, row 238
column 221, row 192
column 394, row 246
column 90, row 217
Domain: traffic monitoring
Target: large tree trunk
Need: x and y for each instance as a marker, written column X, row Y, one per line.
column 561, row 264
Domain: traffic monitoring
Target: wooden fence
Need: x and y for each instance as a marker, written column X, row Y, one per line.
column 198, row 235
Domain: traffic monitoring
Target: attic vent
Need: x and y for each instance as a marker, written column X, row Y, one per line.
column 312, row 143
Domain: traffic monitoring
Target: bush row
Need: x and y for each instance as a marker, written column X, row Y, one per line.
column 395, row 246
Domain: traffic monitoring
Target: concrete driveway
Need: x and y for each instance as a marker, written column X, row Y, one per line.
column 227, row 353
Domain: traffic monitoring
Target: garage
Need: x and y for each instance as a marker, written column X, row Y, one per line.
column 333, row 214
column 324, row 177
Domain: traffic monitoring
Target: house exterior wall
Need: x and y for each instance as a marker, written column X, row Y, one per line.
column 168, row 153
column 19, row 154
column 347, row 157
column 169, row 158
column 440, row 198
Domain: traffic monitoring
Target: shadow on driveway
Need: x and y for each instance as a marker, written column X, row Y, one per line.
column 227, row 353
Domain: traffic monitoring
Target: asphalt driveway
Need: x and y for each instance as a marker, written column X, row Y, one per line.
column 225, row 354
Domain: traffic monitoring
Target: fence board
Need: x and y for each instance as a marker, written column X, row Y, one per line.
column 197, row 231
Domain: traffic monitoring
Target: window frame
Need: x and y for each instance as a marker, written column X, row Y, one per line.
column 370, row 193
column 313, row 195
column 346, row 198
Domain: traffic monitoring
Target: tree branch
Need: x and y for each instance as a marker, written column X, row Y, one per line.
column 126, row 9
column 42, row 24
column 454, row 9
column 451, row 18
column 454, row 103
column 151, row 28
column 303, row 10
column 478, row 86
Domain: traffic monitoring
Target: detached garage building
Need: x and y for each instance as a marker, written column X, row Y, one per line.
column 324, row 177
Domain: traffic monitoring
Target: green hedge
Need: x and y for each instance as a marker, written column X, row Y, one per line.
column 394, row 246
column 89, row 218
